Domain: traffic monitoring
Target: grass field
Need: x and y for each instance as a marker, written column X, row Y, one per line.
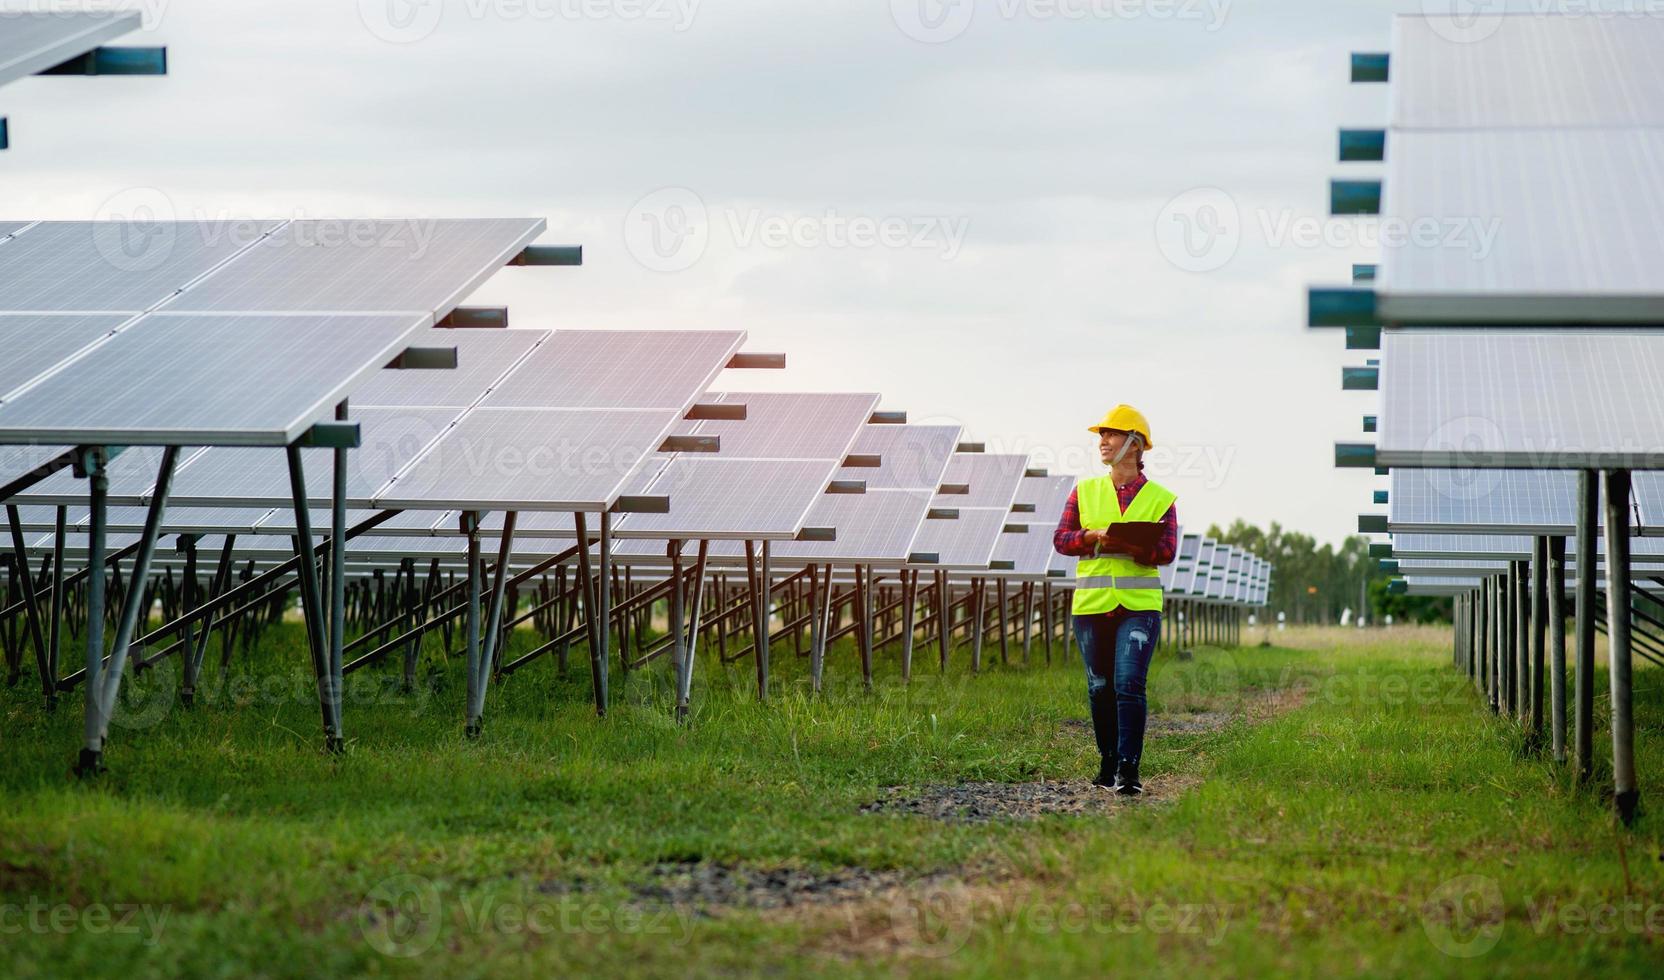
column 1343, row 807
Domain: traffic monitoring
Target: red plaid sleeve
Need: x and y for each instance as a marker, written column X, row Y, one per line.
column 1070, row 537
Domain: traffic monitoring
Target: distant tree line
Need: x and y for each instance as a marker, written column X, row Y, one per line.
column 1312, row 583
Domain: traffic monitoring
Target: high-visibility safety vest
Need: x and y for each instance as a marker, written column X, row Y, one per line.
column 1109, row 582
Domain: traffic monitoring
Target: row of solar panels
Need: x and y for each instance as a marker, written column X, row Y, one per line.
column 230, row 338
column 1513, row 352
column 67, row 42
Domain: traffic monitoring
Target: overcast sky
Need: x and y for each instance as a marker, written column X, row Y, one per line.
column 1011, row 214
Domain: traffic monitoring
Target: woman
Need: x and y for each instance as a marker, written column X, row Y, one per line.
column 1121, row 526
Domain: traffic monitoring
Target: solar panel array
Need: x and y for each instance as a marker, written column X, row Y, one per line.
column 1542, row 134
column 34, row 41
column 1531, row 142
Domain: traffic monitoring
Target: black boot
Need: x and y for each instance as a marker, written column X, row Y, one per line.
column 1103, row 728
column 1126, row 779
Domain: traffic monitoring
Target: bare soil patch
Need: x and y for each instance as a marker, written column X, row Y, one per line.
column 709, row 887
column 981, row 802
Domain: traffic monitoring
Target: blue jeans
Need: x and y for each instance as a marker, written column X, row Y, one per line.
column 1118, row 645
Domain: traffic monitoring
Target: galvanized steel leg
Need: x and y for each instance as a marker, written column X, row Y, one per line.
column 471, row 619
column 31, row 603
column 492, row 639
column 312, row 601
column 1625, row 793
column 909, row 596
column 1557, row 644
column 1539, row 629
column 944, row 631
column 1588, row 503
column 103, row 682
column 338, row 585
column 54, row 646
column 685, row 693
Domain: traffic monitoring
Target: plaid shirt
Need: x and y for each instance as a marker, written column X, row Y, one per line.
column 1070, row 538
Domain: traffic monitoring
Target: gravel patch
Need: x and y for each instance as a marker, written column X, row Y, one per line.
column 710, row 887
column 982, row 802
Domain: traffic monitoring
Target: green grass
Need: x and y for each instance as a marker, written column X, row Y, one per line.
column 1330, row 836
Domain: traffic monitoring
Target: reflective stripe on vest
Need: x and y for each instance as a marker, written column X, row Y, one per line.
column 1108, row 582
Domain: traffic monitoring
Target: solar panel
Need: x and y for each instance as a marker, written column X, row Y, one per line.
column 1647, row 495
column 1496, row 501
column 115, row 266
column 531, row 459
column 131, row 475
column 1184, row 564
column 791, row 425
column 714, row 497
column 34, row 41
column 410, row 265
column 241, row 380
column 1555, row 226
column 642, row 369
column 1524, row 399
column 966, row 543
column 1461, row 545
column 1488, row 71
column 34, row 344
column 482, row 357
column 1450, row 567
column 1030, row 553
column 877, row 527
column 992, row 479
column 912, row 457
column 257, row 477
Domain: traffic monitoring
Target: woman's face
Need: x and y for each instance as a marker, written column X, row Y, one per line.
column 1109, row 443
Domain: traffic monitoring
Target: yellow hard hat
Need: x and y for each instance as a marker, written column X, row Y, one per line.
column 1125, row 418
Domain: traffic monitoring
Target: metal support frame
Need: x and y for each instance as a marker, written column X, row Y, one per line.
column 323, row 662
column 1538, row 636
column 1625, row 792
column 1557, row 645
column 909, row 603
column 1588, row 503
column 31, row 602
column 104, row 681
